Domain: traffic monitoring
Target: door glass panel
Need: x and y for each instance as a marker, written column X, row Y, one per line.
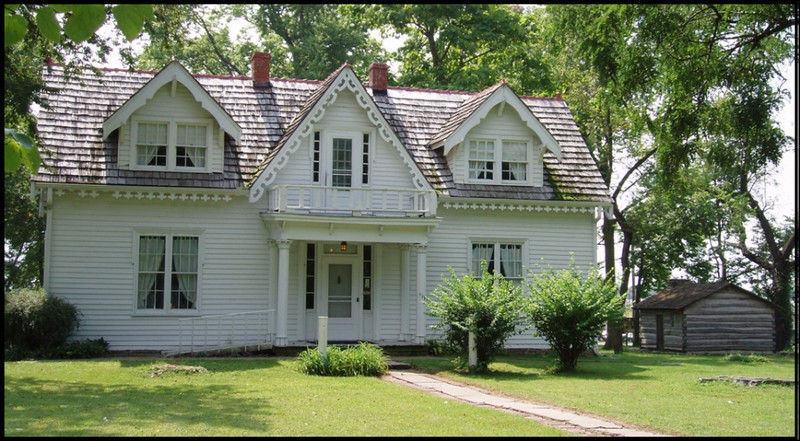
column 342, row 166
column 340, row 291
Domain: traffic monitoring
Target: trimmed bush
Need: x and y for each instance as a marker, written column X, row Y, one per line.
column 570, row 311
column 363, row 360
column 489, row 306
column 36, row 321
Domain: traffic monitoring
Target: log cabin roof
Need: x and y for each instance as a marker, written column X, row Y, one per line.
column 684, row 294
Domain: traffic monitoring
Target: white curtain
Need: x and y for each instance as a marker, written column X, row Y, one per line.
column 511, row 261
column 151, row 258
column 184, row 264
column 480, row 252
column 515, row 156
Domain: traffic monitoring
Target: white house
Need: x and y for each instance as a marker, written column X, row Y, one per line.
column 196, row 210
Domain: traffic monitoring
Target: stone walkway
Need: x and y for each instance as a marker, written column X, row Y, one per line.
column 562, row 419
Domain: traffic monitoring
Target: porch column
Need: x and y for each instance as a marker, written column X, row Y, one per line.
column 405, row 332
column 422, row 288
column 282, row 310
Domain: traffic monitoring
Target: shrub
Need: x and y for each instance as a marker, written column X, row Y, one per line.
column 84, row 349
column 570, row 311
column 362, row 360
column 489, row 306
column 36, row 321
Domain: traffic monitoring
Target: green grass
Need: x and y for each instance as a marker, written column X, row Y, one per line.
column 247, row 397
column 657, row 391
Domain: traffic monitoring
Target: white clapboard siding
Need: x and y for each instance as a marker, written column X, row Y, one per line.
column 92, row 263
column 165, row 107
column 549, row 239
column 387, row 169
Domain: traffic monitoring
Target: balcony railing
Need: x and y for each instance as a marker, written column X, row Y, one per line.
column 349, row 201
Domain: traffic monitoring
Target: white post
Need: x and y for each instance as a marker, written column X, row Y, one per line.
column 405, row 333
column 422, row 287
column 473, row 350
column 283, row 292
column 322, row 335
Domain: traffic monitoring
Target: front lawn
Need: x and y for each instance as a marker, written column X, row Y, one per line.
column 239, row 397
column 659, row 391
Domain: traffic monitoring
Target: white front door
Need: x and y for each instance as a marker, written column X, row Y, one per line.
column 343, row 299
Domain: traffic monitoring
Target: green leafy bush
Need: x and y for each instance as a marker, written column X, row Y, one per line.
column 489, row 306
column 38, row 322
column 570, row 311
column 84, row 349
column 363, row 360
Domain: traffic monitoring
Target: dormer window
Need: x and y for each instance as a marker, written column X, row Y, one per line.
column 498, row 161
column 171, row 145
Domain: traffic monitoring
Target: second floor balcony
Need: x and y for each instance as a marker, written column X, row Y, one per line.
column 352, row 201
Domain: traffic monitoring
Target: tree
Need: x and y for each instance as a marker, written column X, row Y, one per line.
column 64, row 27
column 312, row 40
column 669, row 65
column 569, row 311
column 464, row 46
column 489, row 307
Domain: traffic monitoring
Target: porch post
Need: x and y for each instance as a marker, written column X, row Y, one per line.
column 282, row 310
column 422, row 288
column 405, row 333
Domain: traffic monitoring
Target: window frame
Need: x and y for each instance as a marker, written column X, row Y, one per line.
column 169, row 235
column 496, row 167
column 172, row 143
column 497, row 243
column 362, row 156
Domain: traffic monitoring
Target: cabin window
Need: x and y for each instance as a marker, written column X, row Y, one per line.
column 168, row 272
column 315, row 158
column 503, row 257
column 498, row 161
column 171, row 145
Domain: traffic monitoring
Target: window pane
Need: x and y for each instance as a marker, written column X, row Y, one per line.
column 191, row 146
column 150, row 293
column 480, row 252
column 481, row 159
column 511, row 261
column 515, row 161
column 151, row 144
column 342, row 162
column 184, row 272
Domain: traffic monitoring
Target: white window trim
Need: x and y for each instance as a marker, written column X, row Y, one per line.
column 326, row 150
column 172, row 137
column 498, row 160
column 497, row 242
column 169, row 233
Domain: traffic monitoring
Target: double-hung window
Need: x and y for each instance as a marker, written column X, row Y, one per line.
column 171, row 145
column 498, row 161
column 168, row 272
column 502, row 257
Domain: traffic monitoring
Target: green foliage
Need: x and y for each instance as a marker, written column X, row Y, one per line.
column 570, row 311
column 36, row 321
column 23, row 235
column 363, row 360
column 489, row 306
column 83, row 349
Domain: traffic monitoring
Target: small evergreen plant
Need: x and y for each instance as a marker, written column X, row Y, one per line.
column 570, row 311
column 489, row 306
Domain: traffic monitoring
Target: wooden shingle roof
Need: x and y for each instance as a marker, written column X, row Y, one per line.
column 684, row 294
column 70, row 131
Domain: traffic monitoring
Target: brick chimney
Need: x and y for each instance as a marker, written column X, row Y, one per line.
column 379, row 77
column 260, row 62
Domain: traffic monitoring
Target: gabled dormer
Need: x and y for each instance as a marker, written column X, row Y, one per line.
column 340, row 139
column 494, row 139
column 172, row 124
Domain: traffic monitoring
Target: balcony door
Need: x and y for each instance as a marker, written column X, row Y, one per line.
column 342, row 168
